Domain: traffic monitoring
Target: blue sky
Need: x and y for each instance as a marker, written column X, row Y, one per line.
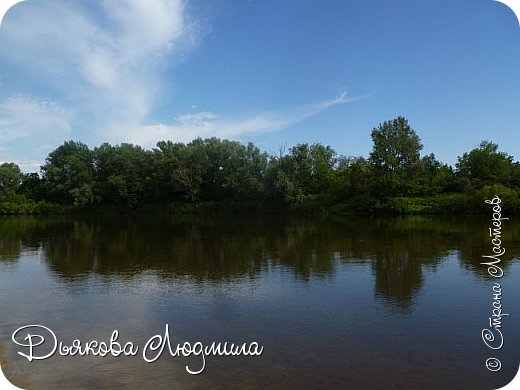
column 271, row 72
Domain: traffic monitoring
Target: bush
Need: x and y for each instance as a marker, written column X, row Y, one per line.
column 19, row 204
column 510, row 197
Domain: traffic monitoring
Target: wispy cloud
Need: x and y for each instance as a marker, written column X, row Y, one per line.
column 95, row 72
column 105, row 63
column 29, row 124
column 186, row 127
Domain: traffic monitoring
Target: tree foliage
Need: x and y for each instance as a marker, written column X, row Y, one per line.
column 306, row 170
column 10, row 179
column 68, row 174
column 395, row 155
column 486, row 165
column 216, row 170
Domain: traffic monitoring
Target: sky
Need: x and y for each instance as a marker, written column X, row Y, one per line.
column 275, row 73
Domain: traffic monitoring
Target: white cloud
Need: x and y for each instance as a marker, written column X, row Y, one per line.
column 146, row 26
column 106, row 63
column 30, row 166
column 207, row 124
column 22, row 117
column 199, row 118
column 31, row 125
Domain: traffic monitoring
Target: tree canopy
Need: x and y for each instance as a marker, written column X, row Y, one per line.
column 395, row 154
column 486, row 165
column 68, row 174
column 216, row 170
column 10, row 178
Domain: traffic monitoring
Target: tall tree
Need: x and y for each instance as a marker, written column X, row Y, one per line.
column 68, row 174
column 354, row 176
column 32, row 186
column 395, row 154
column 486, row 165
column 10, row 178
column 123, row 173
column 306, row 170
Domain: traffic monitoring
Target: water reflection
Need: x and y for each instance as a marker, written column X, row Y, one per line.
column 224, row 249
column 355, row 302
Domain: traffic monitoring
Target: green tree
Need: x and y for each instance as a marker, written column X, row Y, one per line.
column 395, row 155
column 355, row 175
column 308, row 170
column 431, row 177
column 32, row 186
column 188, row 166
column 123, row 174
column 486, row 165
column 240, row 171
column 211, row 169
column 172, row 181
column 67, row 172
column 10, row 178
column 515, row 175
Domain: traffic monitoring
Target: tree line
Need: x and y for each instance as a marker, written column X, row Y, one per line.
column 394, row 177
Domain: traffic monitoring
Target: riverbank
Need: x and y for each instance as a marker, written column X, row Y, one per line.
column 20, row 205
column 453, row 203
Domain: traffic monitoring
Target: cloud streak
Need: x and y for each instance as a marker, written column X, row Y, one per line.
column 105, row 62
column 208, row 124
column 29, row 124
column 95, row 72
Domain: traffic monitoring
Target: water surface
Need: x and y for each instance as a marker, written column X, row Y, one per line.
column 337, row 302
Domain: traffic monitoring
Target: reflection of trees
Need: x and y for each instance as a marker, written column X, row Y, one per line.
column 10, row 248
column 405, row 248
column 475, row 242
column 222, row 249
column 19, row 233
column 398, row 277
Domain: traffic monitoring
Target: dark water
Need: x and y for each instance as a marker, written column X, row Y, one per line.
column 337, row 302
